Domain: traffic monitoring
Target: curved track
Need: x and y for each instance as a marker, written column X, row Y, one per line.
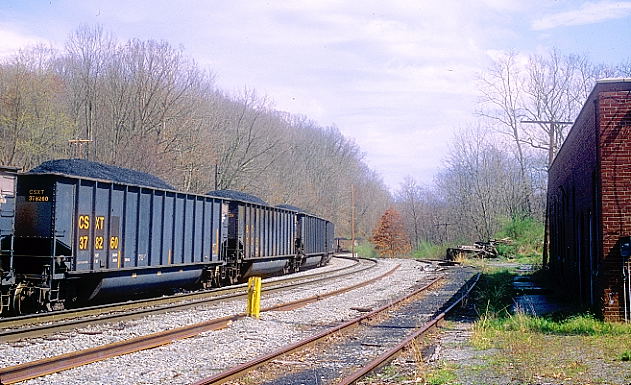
column 39, row 325
column 340, row 354
column 54, row 364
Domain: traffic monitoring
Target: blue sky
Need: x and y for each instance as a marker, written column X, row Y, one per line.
column 399, row 77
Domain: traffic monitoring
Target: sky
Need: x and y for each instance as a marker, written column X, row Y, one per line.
column 397, row 77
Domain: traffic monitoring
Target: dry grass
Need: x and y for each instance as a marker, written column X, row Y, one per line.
column 577, row 349
column 534, row 357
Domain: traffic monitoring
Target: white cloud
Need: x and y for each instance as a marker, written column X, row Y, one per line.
column 11, row 40
column 397, row 76
column 394, row 76
column 588, row 13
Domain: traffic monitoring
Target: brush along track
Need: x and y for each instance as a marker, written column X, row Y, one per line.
column 39, row 325
column 349, row 349
column 55, row 364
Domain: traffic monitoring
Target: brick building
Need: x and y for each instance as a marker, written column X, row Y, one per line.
column 589, row 202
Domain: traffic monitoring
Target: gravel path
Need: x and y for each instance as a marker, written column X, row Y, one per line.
column 188, row 360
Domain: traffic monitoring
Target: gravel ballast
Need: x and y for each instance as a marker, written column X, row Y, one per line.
column 188, row 360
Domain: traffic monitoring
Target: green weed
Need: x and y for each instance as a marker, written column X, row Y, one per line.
column 526, row 238
column 583, row 325
column 441, row 376
column 494, row 294
column 428, row 250
column 366, row 250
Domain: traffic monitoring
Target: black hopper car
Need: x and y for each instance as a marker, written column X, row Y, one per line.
column 75, row 232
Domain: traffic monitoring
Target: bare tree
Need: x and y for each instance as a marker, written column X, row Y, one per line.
column 469, row 184
column 32, row 121
column 147, row 106
column 409, row 199
column 86, row 56
column 502, row 103
column 623, row 69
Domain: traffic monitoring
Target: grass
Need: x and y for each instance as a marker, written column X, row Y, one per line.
column 366, row 250
column 525, row 236
column 441, row 376
column 428, row 250
column 425, row 250
column 494, row 293
column 575, row 348
column 581, row 325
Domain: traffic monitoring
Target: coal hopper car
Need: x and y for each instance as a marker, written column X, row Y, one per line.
column 85, row 232
column 261, row 238
column 314, row 238
column 265, row 240
column 7, row 221
column 78, row 237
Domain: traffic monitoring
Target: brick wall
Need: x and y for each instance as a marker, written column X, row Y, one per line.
column 589, row 200
column 572, row 211
column 615, row 160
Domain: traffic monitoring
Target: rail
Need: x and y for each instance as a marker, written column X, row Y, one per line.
column 387, row 356
column 34, row 369
column 26, row 327
column 240, row 370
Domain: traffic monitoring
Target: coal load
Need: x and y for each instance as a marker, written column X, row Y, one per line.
column 237, row 195
column 88, row 169
column 293, row 208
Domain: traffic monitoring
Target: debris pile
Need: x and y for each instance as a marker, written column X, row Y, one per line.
column 479, row 249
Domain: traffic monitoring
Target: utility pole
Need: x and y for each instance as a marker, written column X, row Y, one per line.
column 552, row 135
column 78, row 144
column 353, row 220
column 216, row 176
column 551, row 153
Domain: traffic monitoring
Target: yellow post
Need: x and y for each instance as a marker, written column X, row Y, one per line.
column 253, row 307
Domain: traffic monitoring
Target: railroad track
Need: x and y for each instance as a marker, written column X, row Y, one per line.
column 39, row 325
column 50, row 365
column 338, row 354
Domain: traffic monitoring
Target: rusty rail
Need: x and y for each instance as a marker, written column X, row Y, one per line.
column 131, row 310
column 34, row 369
column 387, row 356
column 240, row 370
column 56, row 364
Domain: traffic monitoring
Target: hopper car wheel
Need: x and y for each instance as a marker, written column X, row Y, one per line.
column 217, row 280
column 25, row 299
column 233, row 279
column 297, row 264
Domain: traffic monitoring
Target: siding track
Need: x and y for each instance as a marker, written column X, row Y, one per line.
column 55, row 364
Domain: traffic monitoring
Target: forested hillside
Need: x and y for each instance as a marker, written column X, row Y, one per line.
column 148, row 106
